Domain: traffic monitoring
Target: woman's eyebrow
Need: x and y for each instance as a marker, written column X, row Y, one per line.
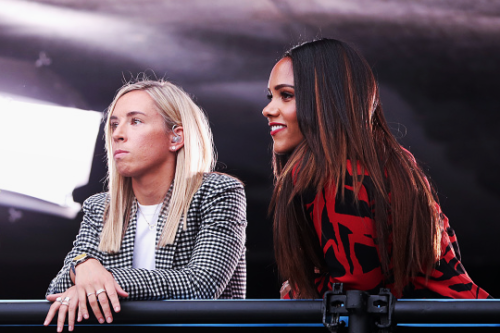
column 133, row 113
column 129, row 114
column 283, row 85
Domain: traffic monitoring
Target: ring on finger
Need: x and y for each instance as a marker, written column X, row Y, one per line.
column 66, row 299
column 59, row 299
column 88, row 295
column 64, row 303
column 100, row 291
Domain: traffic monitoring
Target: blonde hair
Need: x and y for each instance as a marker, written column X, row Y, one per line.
column 195, row 158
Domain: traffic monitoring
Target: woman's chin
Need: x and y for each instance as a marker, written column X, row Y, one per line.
column 278, row 150
column 125, row 172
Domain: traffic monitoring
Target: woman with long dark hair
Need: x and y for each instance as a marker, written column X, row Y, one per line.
column 350, row 204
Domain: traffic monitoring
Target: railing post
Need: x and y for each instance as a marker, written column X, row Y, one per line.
column 360, row 321
column 367, row 313
column 352, row 303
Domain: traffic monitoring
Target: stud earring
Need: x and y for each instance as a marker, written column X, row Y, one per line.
column 172, row 148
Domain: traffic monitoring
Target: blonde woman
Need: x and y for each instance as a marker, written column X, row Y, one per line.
column 169, row 227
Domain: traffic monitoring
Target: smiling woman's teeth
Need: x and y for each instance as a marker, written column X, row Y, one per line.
column 275, row 127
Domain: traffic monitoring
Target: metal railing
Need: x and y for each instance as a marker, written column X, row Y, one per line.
column 354, row 310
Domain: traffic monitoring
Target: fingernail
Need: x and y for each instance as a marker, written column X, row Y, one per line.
column 59, row 328
column 45, row 323
column 110, row 320
column 70, row 328
column 117, row 309
column 101, row 320
column 86, row 316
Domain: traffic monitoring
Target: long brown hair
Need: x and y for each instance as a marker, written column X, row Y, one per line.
column 341, row 118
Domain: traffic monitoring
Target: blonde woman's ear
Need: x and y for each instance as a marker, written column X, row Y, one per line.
column 177, row 137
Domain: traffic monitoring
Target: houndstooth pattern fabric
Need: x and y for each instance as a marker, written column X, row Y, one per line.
column 206, row 261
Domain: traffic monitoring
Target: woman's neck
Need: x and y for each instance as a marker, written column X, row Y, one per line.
column 151, row 190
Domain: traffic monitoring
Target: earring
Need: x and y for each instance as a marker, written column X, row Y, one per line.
column 172, row 148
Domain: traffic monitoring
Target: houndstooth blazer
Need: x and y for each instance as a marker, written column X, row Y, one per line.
column 206, row 261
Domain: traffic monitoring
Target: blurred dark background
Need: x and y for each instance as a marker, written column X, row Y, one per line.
column 437, row 62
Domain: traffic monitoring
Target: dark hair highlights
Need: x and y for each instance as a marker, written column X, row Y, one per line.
column 340, row 116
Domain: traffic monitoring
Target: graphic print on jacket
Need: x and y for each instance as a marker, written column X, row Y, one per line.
column 347, row 237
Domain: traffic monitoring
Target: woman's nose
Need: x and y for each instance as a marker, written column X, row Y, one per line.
column 269, row 110
column 118, row 133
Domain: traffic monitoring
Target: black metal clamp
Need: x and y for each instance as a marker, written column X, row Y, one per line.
column 333, row 306
column 367, row 313
column 382, row 307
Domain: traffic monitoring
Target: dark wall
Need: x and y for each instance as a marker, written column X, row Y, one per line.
column 437, row 64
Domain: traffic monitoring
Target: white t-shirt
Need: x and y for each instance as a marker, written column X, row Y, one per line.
column 145, row 238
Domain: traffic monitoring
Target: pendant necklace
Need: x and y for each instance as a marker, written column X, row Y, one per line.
column 151, row 226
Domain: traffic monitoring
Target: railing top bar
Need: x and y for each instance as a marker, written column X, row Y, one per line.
column 25, row 312
column 448, row 300
column 186, row 300
column 172, row 311
column 411, row 300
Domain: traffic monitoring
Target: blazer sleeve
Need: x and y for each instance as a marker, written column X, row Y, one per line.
column 218, row 247
column 87, row 241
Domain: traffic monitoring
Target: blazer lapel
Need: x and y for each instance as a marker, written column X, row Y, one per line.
column 165, row 255
column 127, row 248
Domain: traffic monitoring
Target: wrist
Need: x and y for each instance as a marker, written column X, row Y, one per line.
column 79, row 259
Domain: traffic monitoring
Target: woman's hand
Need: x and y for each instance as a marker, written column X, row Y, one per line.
column 65, row 302
column 95, row 283
column 285, row 289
